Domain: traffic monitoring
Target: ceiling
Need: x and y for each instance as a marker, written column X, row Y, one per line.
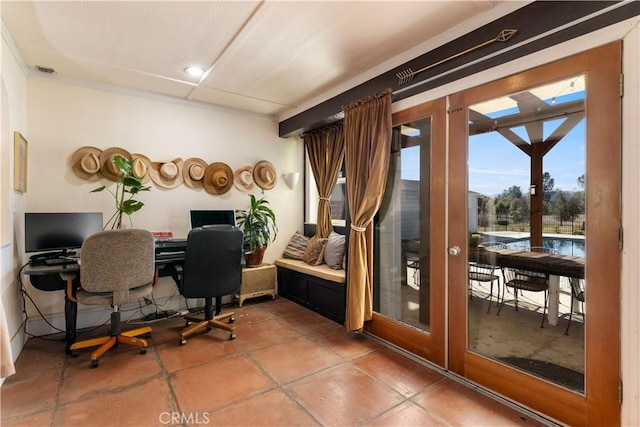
column 264, row 57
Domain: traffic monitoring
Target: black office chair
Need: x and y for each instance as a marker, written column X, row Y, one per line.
column 116, row 267
column 212, row 269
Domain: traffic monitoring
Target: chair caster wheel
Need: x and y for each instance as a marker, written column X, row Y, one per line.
column 94, row 363
column 187, row 323
column 143, row 350
column 232, row 336
column 183, row 341
column 74, row 353
column 209, row 328
column 147, row 335
column 232, row 319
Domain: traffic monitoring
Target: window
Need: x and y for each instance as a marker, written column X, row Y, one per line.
column 338, row 199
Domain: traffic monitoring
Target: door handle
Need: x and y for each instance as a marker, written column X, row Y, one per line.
column 455, row 250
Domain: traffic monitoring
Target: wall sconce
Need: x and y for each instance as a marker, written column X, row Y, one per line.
column 291, row 179
column 532, row 190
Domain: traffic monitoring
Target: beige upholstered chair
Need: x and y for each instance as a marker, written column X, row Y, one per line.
column 116, row 267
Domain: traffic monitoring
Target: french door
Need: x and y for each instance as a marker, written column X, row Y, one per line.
column 497, row 257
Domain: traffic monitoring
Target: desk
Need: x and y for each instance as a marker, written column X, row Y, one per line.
column 65, row 277
column 551, row 264
column 56, row 278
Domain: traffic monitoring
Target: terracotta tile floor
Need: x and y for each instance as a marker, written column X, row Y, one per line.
column 288, row 366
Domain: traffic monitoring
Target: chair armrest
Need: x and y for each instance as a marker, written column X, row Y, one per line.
column 70, row 295
column 177, row 275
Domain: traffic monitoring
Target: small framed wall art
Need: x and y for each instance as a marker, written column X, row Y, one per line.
column 20, row 162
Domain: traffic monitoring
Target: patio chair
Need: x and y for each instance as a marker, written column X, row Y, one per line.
column 577, row 294
column 411, row 250
column 525, row 280
column 486, row 273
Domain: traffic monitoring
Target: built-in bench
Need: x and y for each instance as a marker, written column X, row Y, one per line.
column 319, row 288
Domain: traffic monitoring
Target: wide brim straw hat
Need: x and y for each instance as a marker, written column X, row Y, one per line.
column 243, row 178
column 107, row 167
column 264, row 175
column 218, row 178
column 85, row 163
column 168, row 173
column 193, row 172
column 140, row 166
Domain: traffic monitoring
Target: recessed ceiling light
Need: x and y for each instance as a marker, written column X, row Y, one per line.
column 194, row 71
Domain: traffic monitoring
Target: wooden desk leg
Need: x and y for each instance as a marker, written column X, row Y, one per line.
column 554, row 300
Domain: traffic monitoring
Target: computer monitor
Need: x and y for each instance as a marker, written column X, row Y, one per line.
column 212, row 217
column 59, row 231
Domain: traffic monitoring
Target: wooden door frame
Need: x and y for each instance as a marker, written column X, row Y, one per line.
column 430, row 346
column 599, row 405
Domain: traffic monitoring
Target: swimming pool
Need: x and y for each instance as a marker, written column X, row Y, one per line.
column 574, row 247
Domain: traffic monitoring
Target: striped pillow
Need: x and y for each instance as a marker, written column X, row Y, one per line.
column 296, row 247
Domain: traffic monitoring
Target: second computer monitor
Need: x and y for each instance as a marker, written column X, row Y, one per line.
column 212, row 217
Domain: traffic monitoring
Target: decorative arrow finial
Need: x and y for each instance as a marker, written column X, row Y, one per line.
column 406, row 75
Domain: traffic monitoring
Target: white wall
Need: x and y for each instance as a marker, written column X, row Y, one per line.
column 63, row 118
column 15, row 84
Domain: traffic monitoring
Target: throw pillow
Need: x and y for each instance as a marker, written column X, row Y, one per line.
column 314, row 255
column 334, row 250
column 296, row 247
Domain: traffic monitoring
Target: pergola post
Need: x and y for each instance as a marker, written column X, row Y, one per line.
column 536, row 195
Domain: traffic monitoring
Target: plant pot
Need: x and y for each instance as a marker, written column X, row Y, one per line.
column 475, row 241
column 254, row 259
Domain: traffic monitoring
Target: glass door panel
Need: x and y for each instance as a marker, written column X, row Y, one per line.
column 533, row 198
column 526, row 175
column 403, row 287
column 409, row 277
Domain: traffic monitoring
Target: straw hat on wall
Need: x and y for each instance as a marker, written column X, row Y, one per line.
column 140, row 165
column 167, row 174
column 193, row 172
column 107, row 167
column 243, row 178
column 264, row 174
column 218, row 178
column 85, row 163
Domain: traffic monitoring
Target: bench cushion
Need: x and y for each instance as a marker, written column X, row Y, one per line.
column 322, row 271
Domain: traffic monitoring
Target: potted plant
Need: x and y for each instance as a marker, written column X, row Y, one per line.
column 127, row 186
column 259, row 226
column 475, row 239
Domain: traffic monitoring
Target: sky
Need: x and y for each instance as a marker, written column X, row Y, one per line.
column 495, row 164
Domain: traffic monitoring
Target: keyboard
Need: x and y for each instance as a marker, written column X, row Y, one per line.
column 59, row 261
column 169, row 255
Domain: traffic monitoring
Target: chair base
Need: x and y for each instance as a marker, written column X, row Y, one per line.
column 107, row 342
column 204, row 324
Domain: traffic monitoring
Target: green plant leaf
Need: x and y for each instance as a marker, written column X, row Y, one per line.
column 131, row 206
column 123, row 165
column 130, row 181
column 98, row 189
